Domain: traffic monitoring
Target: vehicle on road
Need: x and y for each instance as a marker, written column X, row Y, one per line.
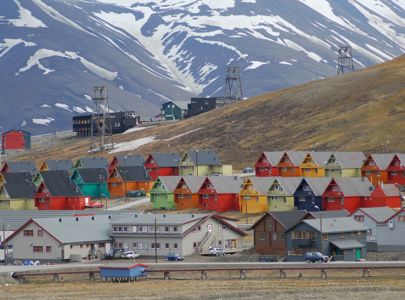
column 95, row 205
column 216, row 251
column 129, row 255
column 174, row 257
column 315, row 257
column 248, row 170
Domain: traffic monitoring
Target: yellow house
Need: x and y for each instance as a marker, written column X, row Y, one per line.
column 17, row 191
column 344, row 164
column 253, row 195
column 314, row 164
column 203, row 163
column 280, row 196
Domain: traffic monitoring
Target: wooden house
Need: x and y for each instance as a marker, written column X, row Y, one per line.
column 162, row 164
column 384, row 195
column 202, row 163
column 124, row 179
column 220, row 193
column 186, row 192
column 173, row 110
column 59, row 164
column 344, row 164
column 269, row 231
column 346, row 193
column 91, row 162
column 314, row 163
column 266, row 164
column 396, row 170
column 92, row 182
column 19, row 166
column 17, row 191
column 15, row 140
column 58, row 192
column 280, row 196
column 290, row 163
column 253, row 195
column 308, row 195
column 161, row 194
column 375, row 167
column 126, row 161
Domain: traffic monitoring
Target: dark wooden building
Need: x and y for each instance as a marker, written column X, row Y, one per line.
column 201, row 105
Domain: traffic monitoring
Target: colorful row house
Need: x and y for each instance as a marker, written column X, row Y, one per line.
column 385, row 168
column 162, row 164
column 162, row 192
column 186, row 192
column 57, row 164
column 203, row 163
column 123, row 180
column 17, row 191
column 253, row 195
column 280, row 196
column 92, row 182
column 135, row 160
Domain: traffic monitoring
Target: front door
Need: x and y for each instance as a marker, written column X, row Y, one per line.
column 358, row 254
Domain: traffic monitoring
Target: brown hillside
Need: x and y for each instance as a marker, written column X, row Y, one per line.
column 357, row 111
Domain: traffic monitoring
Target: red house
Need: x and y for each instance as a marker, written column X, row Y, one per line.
column 384, row 195
column 220, row 193
column 162, row 164
column 266, row 165
column 375, row 167
column 290, row 162
column 396, row 170
column 346, row 193
column 126, row 161
column 57, row 192
column 15, row 140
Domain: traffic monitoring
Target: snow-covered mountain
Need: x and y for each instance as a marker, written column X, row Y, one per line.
column 52, row 52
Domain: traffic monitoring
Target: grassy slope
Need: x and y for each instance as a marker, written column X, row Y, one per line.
column 357, row 111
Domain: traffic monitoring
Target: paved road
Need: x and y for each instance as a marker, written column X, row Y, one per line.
column 133, row 203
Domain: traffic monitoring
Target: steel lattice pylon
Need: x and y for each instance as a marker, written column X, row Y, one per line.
column 233, row 84
column 101, row 127
column 345, row 59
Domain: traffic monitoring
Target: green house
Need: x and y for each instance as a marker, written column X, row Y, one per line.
column 173, row 111
column 161, row 194
column 92, row 182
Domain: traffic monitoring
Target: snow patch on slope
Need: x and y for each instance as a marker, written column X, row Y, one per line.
column 10, row 43
column 26, row 18
column 44, row 122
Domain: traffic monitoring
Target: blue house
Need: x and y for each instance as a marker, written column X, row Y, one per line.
column 122, row 272
column 309, row 193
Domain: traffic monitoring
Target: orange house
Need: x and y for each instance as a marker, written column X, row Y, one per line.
column 124, row 179
column 186, row 193
column 314, row 164
column 290, row 162
column 375, row 167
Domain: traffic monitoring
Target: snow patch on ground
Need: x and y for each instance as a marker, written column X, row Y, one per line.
column 44, row 122
column 87, row 97
column 26, row 18
column 63, row 106
column 132, row 145
column 10, row 43
column 285, row 63
column 254, row 64
column 182, row 134
column 45, row 106
column 136, row 129
column 79, row 110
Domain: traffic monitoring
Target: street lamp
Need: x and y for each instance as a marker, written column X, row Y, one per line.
column 196, row 159
column 320, row 227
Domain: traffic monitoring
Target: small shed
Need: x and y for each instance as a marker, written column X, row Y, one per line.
column 15, row 140
column 123, row 272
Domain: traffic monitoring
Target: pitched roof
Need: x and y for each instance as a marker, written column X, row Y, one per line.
column 348, row 244
column 330, row 213
column 378, row 214
column 204, row 157
column 149, row 219
column 390, row 190
column 350, row 159
column 354, row 186
column 321, row 157
column 130, row 160
column 93, row 162
column 58, row 183
column 22, row 166
column 336, row 225
column 289, row 184
column 52, row 164
column 194, row 182
column 170, row 182
column 19, row 185
column 262, row 184
column 289, row 218
column 226, row 184
column 382, row 160
column 297, row 157
column 318, row 184
column 93, row 175
column 166, row 159
column 138, row 173
column 274, row 157
column 179, row 104
column 401, row 157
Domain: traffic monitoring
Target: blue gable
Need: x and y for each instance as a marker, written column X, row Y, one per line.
column 305, row 198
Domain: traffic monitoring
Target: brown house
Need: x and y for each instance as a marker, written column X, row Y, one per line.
column 269, row 230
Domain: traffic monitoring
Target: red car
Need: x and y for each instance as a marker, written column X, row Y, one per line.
column 95, row 205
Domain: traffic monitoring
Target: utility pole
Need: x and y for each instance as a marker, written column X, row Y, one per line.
column 233, row 84
column 345, row 59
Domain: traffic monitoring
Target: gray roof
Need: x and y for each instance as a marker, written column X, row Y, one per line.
column 194, row 182
column 262, row 184
column 318, row 184
column 93, row 162
column 348, row 244
column 203, row 157
column 289, row 184
column 289, row 218
column 226, row 184
column 354, row 186
column 22, row 166
column 390, row 190
column 382, row 160
column 59, row 184
column 170, row 182
column 149, row 219
column 93, row 175
column 130, row 160
column 166, row 159
column 19, row 185
column 138, row 173
column 66, row 164
column 378, row 214
column 330, row 213
column 401, row 157
column 349, row 159
column 321, row 157
column 274, row 157
column 336, row 225
column 297, row 157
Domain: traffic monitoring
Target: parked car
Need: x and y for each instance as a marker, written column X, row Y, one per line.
column 174, row 257
column 216, row 251
column 129, row 255
column 248, row 170
column 95, row 205
column 114, row 253
column 315, row 257
column 136, row 194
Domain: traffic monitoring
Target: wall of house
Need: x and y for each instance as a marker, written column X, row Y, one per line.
column 94, row 249
column 227, row 170
column 162, row 200
column 269, row 237
column 13, row 140
column 94, row 189
column 17, row 204
column 390, row 236
column 305, row 199
column 119, row 189
column 351, row 172
column 61, row 203
column 252, row 202
column 219, row 202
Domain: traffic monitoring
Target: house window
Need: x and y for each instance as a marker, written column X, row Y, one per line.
column 167, row 245
column 166, row 228
column 101, row 245
column 48, row 249
column 281, row 235
column 81, row 246
column 142, row 246
column 38, row 249
column 180, row 196
column 359, row 234
column 194, row 245
column 125, row 229
column 28, row 233
column 219, row 243
column 199, row 228
column 71, row 246
column 325, row 236
column 359, row 218
column 306, row 188
column 115, row 229
column 134, row 228
column 342, row 235
column 301, row 198
column 175, row 246
column 401, row 219
column 40, row 233
column 269, row 224
column 262, row 236
column 205, row 196
column 135, row 245
column 274, row 236
column 152, row 245
column 175, row 229
column 119, row 228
